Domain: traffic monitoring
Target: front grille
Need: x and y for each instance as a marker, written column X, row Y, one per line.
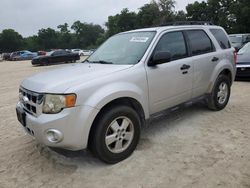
column 31, row 101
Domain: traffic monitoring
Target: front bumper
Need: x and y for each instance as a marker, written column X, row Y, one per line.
column 243, row 70
column 73, row 123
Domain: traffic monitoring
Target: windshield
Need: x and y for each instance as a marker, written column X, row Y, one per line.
column 123, row 49
column 236, row 39
column 245, row 49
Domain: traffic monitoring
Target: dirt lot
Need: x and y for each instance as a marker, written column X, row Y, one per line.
column 193, row 147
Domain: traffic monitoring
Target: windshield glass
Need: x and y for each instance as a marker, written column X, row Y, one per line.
column 123, row 49
column 236, row 39
column 245, row 49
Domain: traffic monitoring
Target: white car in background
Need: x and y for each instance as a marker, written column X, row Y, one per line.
column 78, row 51
column 87, row 52
column 82, row 52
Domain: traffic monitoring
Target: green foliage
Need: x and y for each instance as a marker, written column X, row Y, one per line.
column 198, row 11
column 86, row 34
column 10, row 40
column 231, row 14
column 148, row 15
column 121, row 22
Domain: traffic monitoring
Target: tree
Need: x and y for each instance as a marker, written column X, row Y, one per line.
column 65, row 37
column 241, row 12
column 86, row 34
column 197, row 11
column 180, row 16
column 48, row 39
column 10, row 40
column 167, row 10
column 148, row 15
column 121, row 22
column 64, row 28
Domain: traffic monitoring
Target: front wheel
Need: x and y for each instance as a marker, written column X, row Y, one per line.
column 116, row 134
column 220, row 95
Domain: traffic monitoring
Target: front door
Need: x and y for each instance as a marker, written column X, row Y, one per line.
column 170, row 83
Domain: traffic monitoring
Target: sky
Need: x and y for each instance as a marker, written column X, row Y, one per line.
column 28, row 16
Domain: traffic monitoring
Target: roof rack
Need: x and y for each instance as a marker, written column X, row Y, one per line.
column 187, row 23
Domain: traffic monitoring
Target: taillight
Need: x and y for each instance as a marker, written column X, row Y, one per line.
column 235, row 57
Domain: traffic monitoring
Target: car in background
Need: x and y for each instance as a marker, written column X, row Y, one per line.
column 243, row 62
column 22, row 55
column 41, row 53
column 77, row 51
column 56, row 56
column 6, row 56
column 239, row 40
column 87, row 52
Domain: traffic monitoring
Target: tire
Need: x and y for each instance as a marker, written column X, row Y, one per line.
column 45, row 63
column 218, row 101
column 108, row 141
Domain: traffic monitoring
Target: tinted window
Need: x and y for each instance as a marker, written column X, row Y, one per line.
column 174, row 43
column 56, row 53
column 63, row 52
column 59, row 52
column 221, row 38
column 200, row 43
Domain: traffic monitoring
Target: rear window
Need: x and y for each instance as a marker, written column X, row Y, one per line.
column 221, row 38
column 199, row 41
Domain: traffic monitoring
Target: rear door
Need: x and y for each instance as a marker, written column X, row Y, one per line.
column 169, row 84
column 56, row 57
column 204, row 58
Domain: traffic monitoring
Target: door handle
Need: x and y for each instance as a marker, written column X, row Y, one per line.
column 185, row 67
column 215, row 59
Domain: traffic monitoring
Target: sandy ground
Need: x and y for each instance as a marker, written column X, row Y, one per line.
column 193, row 147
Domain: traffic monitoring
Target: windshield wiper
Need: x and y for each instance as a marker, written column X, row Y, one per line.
column 102, row 62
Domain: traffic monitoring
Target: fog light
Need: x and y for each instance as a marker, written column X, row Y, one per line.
column 54, row 136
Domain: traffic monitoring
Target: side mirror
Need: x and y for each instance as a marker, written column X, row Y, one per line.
column 160, row 58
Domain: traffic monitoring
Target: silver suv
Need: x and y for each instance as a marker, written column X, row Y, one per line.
column 103, row 102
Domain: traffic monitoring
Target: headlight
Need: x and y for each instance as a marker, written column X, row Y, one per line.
column 56, row 103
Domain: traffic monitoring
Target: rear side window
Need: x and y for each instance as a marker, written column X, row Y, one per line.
column 199, row 41
column 221, row 38
column 174, row 43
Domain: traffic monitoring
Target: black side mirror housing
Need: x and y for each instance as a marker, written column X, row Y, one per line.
column 160, row 58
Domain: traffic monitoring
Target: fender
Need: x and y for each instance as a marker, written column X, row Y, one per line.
column 116, row 90
column 222, row 65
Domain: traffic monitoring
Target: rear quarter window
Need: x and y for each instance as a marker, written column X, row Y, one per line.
column 199, row 42
column 221, row 38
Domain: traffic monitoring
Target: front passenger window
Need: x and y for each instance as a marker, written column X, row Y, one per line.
column 174, row 43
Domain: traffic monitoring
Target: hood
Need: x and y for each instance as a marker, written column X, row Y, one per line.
column 243, row 58
column 61, row 79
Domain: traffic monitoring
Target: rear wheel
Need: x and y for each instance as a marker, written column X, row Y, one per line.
column 116, row 134
column 45, row 63
column 220, row 95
